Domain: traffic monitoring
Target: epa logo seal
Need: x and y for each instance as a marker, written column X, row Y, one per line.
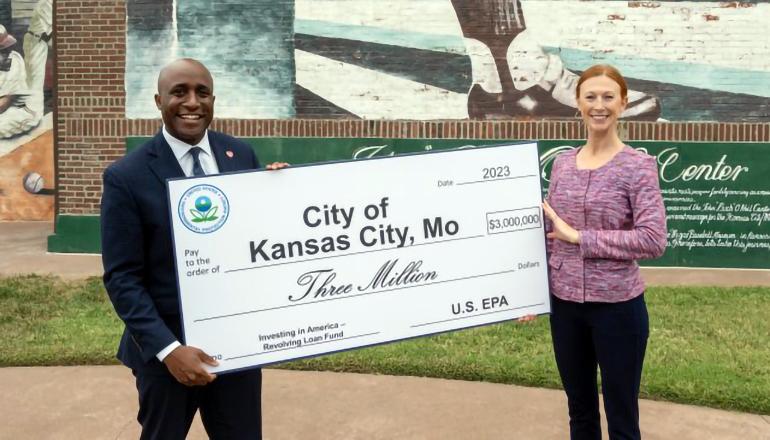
column 204, row 209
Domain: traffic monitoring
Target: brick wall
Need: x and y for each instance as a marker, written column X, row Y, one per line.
column 91, row 124
column 90, row 43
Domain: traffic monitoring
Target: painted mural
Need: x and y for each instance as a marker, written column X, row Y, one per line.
column 456, row 59
column 246, row 45
column 26, row 121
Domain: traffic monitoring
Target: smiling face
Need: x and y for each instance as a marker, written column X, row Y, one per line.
column 601, row 103
column 186, row 99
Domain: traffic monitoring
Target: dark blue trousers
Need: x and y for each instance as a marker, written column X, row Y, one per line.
column 230, row 406
column 612, row 336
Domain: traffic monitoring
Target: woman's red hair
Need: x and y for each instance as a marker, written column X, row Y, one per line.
column 603, row 70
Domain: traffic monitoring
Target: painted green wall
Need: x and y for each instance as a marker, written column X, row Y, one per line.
column 717, row 195
column 76, row 234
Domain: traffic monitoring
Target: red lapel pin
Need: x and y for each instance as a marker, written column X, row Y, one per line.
column 229, row 154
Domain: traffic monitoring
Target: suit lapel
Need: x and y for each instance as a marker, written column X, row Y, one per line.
column 162, row 161
column 224, row 155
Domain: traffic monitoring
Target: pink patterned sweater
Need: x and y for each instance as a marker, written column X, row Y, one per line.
column 619, row 212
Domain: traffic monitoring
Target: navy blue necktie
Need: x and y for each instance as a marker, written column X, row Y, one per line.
column 197, row 168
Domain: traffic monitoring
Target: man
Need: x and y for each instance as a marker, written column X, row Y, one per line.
column 139, row 269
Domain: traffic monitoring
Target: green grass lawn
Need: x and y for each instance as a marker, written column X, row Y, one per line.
column 708, row 346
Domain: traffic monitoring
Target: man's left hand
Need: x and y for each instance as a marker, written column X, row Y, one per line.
column 277, row 165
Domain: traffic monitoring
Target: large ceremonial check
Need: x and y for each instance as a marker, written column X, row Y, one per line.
column 308, row 260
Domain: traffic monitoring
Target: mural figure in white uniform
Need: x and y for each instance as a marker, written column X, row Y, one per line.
column 22, row 78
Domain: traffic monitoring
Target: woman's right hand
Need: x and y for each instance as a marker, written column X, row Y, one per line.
column 561, row 230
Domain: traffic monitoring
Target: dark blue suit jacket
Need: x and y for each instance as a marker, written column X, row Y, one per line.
column 137, row 252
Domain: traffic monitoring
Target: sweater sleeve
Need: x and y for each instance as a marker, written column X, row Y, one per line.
column 647, row 238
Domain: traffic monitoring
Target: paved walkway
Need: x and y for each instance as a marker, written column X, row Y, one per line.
column 23, row 250
column 100, row 402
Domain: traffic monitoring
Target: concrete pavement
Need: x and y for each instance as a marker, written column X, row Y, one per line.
column 95, row 402
column 100, row 403
column 23, row 251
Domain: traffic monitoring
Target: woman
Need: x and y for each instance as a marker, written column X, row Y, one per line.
column 605, row 211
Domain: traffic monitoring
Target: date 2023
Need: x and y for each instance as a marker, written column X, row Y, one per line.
column 496, row 172
column 490, row 173
column 490, row 303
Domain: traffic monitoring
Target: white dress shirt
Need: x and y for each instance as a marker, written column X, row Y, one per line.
column 182, row 153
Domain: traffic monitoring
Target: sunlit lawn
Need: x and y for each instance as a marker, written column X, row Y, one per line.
column 708, row 346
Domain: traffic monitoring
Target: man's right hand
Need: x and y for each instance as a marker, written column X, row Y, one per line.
column 186, row 365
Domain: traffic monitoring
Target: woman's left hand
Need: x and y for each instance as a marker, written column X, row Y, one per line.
column 526, row 319
column 561, row 230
